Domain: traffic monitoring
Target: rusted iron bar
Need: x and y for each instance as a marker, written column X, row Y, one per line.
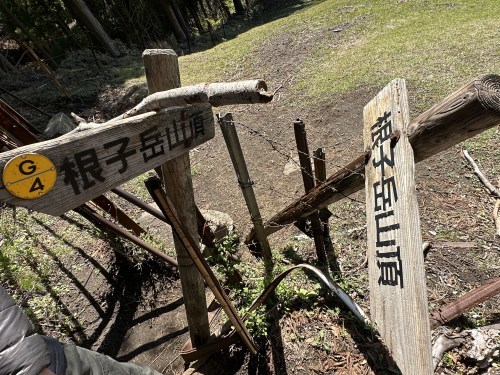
column 16, row 126
column 139, row 203
column 108, row 206
column 204, row 231
column 308, row 179
column 154, row 187
column 25, row 102
column 101, row 222
column 466, row 302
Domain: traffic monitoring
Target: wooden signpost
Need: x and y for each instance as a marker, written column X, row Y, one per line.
column 398, row 295
column 91, row 161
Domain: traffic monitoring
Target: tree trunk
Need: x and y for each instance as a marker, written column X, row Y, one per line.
column 180, row 18
column 62, row 25
column 224, row 7
column 238, row 7
column 86, row 19
column 4, row 8
column 173, row 21
column 6, row 66
column 194, row 13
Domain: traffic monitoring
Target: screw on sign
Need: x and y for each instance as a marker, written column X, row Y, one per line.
column 29, row 176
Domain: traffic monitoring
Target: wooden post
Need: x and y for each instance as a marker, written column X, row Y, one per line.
column 233, row 145
column 324, row 214
column 319, row 164
column 398, row 295
column 308, row 179
column 162, row 73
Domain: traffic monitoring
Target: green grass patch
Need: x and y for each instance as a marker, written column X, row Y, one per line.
column 435, row 46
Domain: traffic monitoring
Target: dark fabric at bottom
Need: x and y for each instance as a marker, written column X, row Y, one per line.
column 80, row 361
column 57, row 357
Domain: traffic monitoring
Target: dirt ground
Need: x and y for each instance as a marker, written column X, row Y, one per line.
column 134, row 311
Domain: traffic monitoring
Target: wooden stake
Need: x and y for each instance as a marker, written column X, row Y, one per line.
column 233, row 145
column 324, row 213
column 162, row 73
column 308, row 179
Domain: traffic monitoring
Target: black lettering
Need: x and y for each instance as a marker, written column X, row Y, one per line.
column 29, row 170
column 151, row 144
column 88, row 166
column 70, row 175
column 383, row 229
column 37, row 185
column 391, row 271
column 121, row 154
column 385, row 191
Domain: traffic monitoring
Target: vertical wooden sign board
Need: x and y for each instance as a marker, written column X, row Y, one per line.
column 398, row 295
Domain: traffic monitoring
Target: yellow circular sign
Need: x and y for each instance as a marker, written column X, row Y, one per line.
column 29, row 176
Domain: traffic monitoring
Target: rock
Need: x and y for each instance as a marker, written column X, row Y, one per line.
column 484, row 346
column 58, row 125
column 220, row 223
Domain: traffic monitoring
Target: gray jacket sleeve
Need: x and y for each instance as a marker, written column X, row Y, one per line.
column 21, row 350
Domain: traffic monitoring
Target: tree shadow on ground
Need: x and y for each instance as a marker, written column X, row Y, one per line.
column 263, row 12
column 129, row 282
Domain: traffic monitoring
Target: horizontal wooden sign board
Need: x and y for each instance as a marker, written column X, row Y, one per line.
column 97, row 158
column 398, row 294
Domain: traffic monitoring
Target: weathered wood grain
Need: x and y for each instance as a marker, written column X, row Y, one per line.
column 398, row 293
column 88, row 162
column 217, row 94
column 465, row 113
column 162, row 73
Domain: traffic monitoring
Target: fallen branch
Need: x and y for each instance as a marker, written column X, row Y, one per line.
column 470, row 110
column 217, row 94
column 486, row 183
column 442, row 345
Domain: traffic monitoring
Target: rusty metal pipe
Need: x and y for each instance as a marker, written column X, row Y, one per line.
column 466, row 302
column 100, row 222
column 136, row 201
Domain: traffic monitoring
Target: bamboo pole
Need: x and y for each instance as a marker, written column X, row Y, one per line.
column 162, row 73
column 233, row 145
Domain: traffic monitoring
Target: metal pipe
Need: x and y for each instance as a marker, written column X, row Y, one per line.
column 100, row 221
column 466, row 302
